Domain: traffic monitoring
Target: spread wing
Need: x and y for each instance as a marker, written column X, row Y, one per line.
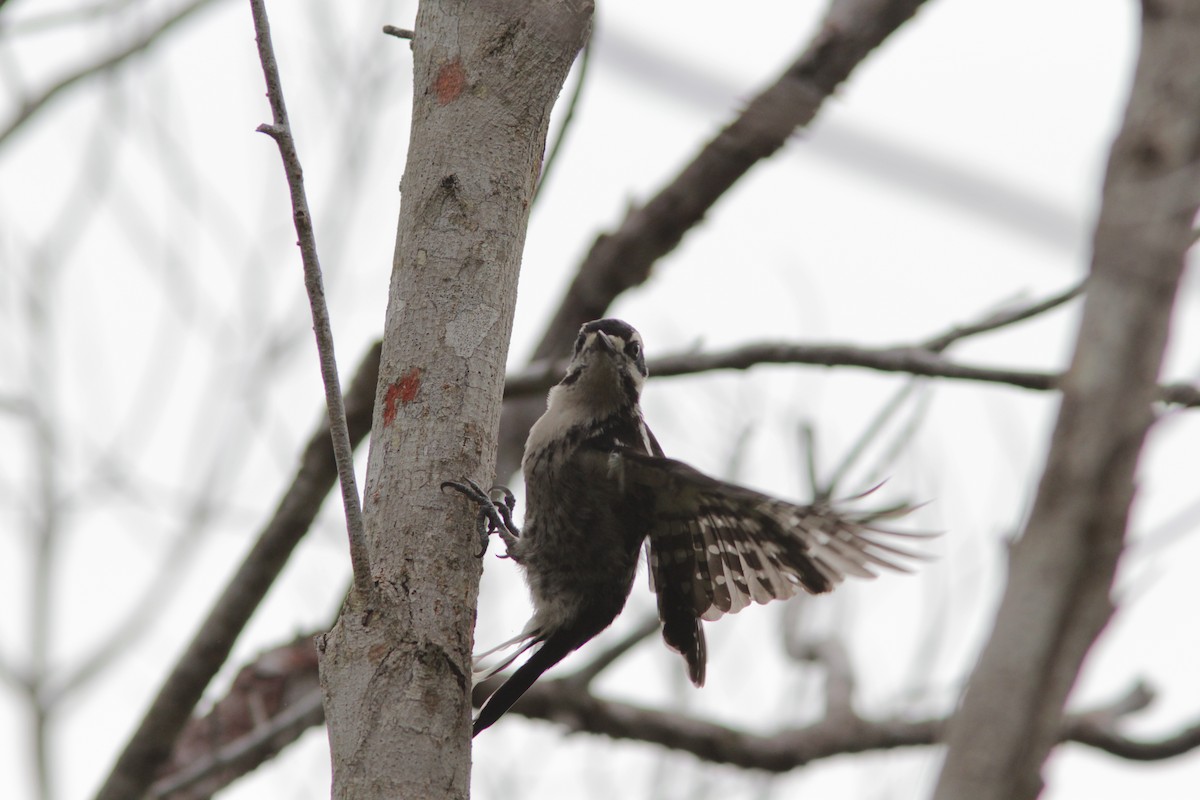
column 715, row 547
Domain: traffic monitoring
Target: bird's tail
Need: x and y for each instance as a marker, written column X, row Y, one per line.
column 554, row 649
column 524, row 640
column 683, row 633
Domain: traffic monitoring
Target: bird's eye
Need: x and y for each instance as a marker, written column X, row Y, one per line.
column 634, row 348
column 579, row 342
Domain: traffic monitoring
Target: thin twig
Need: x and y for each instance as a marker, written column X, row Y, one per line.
column 48, row 527
column 568, row 117
column 870, row 433
column 937, row 344
column 1111, row 742
column 65, row 17
column 343, row 452
column 608, row 657
column 1002, row 319
column 808, row 445
column 893, row 450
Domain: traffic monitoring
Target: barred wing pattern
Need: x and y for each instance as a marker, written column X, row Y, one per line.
column 715, row 547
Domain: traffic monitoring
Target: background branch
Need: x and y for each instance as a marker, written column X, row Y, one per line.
column 298, row 507
column 791, row 748
column 32, row 105
column 272, row 701
column 609, row 656
column 1109, row 741
column 622, row 259
column 189, row 420
column 568, row 117
column 208, row 747
column 921, row 359
column 206, row 776
column 1057, row 599
column 151, row 743
column 1002, row 319
column 840, row 681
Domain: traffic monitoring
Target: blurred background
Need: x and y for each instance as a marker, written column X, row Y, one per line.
column 158, row 376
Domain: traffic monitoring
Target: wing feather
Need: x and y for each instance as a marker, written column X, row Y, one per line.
column 721, row 547
column 713, row 547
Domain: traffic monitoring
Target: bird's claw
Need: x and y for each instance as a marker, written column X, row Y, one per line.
column 495, row 512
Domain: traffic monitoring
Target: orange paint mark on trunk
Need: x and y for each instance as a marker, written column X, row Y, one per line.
column 402, row 392
column 450, row 81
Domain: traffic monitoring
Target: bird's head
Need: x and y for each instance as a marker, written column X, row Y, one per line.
column 607, row 369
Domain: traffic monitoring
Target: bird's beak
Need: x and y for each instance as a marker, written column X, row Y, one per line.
column 604, row 342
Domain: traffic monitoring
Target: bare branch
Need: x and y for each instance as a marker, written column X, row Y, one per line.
column 30, row 106
column 792, row 748
column 11, row 676
column 566, row 701
column 869, row 435
column 343, row 450
column 779, row 751
column 151, row 744
column 623, row 258
column 1058, row 596
column 923, row 359
column 611, row 655
column 399, row 33
column 1109, row 741
column 1002, row 319
column 298, row 508
column 273, row 700
column 911, row 360
column 1138, row 698
column 243, row 755
column 568, row 117
column 47, row 520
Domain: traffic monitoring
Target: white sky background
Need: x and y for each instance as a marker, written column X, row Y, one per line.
column 958, row 170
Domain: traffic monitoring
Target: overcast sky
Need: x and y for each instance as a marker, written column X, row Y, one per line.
column 956, row 173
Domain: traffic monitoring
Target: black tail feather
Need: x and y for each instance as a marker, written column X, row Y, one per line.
column 683, row 632
column 552, row 651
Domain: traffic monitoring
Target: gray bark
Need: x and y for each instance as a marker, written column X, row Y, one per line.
column 1057, row 599
column 396, row 667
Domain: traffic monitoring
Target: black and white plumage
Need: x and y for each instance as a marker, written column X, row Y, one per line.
column 598, row 486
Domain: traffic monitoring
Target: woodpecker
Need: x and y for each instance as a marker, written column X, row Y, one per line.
column 598, row 486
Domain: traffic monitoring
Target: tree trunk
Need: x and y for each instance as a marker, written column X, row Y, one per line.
column 396, row 667
column 1057, row 598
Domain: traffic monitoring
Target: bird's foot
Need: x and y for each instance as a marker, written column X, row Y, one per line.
column 495, row 513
